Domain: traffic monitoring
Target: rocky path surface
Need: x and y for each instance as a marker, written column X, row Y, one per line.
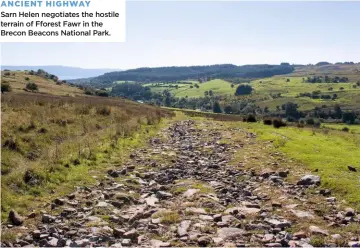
column 182, row 191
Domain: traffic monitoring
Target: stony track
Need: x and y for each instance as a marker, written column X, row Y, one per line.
column 182, row 191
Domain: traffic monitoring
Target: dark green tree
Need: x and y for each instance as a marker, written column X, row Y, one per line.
column 349, row 117
column 243, row 90
column 216, row 107
column 228, row 109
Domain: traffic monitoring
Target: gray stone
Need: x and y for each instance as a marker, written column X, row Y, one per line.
column 53, row 242
column 309, row 180
column 151, row 201
column 204, row 241
column 102, row 204
column 196, row 210
column 302, row 214
column 15, row 218
column 183, row 227
column 230, row 232
column 118, row 233
column 318, row 230
column 163, row 195
column 349, row 212
column 132, row 234
column 158, row 243
column 205, row 217
column 46, row 218
column 126, row 242
column 81, row 243
column 190, row 192
column 278, row 224
column 268, row 238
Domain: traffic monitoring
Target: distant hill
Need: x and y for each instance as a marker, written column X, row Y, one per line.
column 167, row 74
column 19, row 79
column 347, row 69
column 63, row 72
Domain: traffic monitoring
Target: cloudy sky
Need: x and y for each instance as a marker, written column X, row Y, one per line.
column 208, row 32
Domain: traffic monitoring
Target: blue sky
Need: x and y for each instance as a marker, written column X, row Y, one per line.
column 207, row 32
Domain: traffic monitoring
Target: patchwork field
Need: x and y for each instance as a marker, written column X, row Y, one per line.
column 217, row 86
column 265, row 91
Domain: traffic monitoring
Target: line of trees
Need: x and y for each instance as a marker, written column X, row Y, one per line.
column 166, row 74
column 327, row 79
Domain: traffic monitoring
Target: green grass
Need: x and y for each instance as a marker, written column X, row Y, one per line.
column 266, row 87
column 329, row 151
column 352, row 128
column 184, row 185
column 218, row 86
column 167, row 217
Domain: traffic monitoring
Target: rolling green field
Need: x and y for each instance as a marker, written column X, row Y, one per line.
column 218, row 86
column 264, row 89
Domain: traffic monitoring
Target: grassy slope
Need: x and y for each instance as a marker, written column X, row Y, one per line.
column 17, row 81
column 349, row 97
column 328, row 151
column 352, row 128
column 218, row 86
column 63, row 141
column 350, row 71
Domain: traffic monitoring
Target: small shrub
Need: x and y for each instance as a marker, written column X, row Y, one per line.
column 167, row 217
column 27, row 78
column 5, row 87
column 76, row 161
column 103, row 110
column 32, row 86
column 28, row 128
column 102, row 93
column 345, row 129
column 277, row 123
column 317, row 124
column 43, row 130
column 89, row 92
column 32, row 178
column 317, row 241
column 300, row 125
column 11, row 145
column 310, row 121
column 268, row 122
column 250, row 118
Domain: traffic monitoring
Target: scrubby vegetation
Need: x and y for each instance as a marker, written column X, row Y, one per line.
column 5, row 87
column 51, row 142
